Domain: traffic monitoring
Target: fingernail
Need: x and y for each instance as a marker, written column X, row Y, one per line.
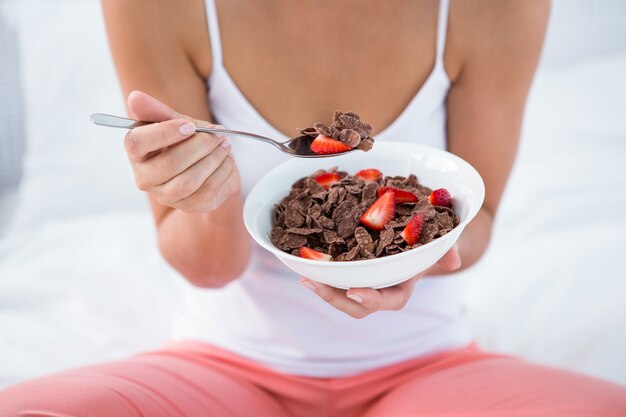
column 225, row 143
column 309, row 285
column 187, row 129
column 356, row 297
column 220, row 127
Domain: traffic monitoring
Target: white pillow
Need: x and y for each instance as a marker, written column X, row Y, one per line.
column 551, row 287
column 72, row 167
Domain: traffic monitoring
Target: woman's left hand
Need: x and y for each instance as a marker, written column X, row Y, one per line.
column 361, row 302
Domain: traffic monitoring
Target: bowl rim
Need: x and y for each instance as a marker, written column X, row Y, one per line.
column 473, row 210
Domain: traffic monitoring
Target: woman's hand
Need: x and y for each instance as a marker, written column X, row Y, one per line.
column 193, row 172
column 361, row 302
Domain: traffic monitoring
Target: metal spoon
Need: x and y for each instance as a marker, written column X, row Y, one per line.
column 299, row 147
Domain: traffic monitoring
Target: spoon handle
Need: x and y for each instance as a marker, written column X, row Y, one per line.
column 124, row 123
column 109, row 120
column 115, row 121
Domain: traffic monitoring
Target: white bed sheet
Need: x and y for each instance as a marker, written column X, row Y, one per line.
column 83, row 290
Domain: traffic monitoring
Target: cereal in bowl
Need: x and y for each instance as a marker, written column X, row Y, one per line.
column 334, row 216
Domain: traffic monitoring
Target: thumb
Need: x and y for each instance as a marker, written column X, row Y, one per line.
column 451, row 260
column 148, row 109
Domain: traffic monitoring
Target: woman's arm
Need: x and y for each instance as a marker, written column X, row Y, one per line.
column 156, row 50
column 496, row 48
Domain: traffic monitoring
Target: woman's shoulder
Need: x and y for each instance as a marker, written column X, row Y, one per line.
column 162, row 29
column 501, row 14
column 499, row 22
column 484, row 30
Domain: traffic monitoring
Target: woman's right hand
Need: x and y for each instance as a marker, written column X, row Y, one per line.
column 193, row 172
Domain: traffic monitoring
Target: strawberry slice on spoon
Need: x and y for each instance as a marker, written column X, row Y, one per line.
column 323, row 145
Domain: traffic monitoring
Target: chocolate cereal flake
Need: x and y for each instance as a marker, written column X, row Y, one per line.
column 386, row 239
column 364, row 240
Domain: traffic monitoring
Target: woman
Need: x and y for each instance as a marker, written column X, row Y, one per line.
column 252, row 341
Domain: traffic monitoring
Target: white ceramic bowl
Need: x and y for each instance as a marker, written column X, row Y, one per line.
column 433, row 167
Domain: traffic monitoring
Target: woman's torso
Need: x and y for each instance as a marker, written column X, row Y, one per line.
column 270, row 82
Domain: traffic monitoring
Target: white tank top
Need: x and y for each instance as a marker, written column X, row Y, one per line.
column 266, row 315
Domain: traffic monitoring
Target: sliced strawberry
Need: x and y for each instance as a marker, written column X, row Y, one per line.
column 309, row 253
column 413, row 229
column 440, row 197
column 327, row 179
column 324, row 145
column 371, row 174
column 402, row 196
column 380, row 212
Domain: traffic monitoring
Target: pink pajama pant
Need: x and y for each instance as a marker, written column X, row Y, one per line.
column 197, row 380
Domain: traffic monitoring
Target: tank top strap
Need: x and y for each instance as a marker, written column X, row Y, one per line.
column 442, row 28
column 214, row 33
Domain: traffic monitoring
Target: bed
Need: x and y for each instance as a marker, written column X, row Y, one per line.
column 81, row 279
